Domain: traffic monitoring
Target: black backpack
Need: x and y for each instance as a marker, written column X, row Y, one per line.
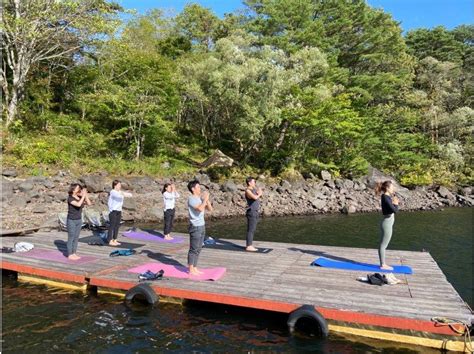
column 376, row 279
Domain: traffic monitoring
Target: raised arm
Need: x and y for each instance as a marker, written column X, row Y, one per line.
column 204, row 201
column 252, row 195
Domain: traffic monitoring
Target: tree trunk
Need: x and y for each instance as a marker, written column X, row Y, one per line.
column 281, row 138
column 12, row 107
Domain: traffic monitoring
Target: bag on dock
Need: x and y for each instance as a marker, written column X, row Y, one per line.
column 376, row 279
column 128, row 252
column 23, row 247
column 149, row 275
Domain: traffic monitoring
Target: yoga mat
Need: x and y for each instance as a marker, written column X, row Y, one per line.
column 181, row 272
column 145, row 236
column 227, row 246
column 88, row 239
column 366, row 267
column 55, row 256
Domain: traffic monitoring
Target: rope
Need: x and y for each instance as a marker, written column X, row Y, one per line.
column 451, row 323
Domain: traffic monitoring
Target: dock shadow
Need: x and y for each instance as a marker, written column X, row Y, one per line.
column 162, row 258
column 324, row 254
column 230, row 246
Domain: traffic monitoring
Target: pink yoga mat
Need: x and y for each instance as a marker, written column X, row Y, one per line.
column 55, row 256
column 179, row 271
column 145, row 236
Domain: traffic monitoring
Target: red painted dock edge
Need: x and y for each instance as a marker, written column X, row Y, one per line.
column 277, row 306
column 269, row 305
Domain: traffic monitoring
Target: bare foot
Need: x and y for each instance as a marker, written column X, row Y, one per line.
column 193, row 272
column 386, row 267
column 112, row 243
column 198, row 271
column 117, row 243
column 73, row 257
column 251, row 249
column 168, row 237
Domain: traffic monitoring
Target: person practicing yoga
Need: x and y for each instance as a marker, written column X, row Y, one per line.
column 115, row 204
column 252, row 195
column 198, row 203
column 169, row 199
column 389, row 208
column 76, row 200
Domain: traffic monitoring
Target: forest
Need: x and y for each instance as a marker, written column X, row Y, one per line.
column 284, row 87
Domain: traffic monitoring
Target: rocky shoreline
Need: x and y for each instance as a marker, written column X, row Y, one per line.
column 36, row 201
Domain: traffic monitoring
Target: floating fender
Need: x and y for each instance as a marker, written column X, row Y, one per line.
column 308, row 319
column 142, row 292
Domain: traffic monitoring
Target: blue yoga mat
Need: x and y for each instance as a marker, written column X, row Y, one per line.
column 366, row 267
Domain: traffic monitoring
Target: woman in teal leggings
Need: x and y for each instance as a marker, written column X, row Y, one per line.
column 389, row 208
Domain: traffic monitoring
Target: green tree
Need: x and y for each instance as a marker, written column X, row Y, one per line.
column 35, row 31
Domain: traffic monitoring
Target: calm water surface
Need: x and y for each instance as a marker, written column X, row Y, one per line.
column 40, row 319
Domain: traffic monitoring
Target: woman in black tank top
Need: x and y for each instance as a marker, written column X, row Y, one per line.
column 252, row 195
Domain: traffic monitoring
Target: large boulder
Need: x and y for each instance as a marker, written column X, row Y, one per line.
column 203, row 178
column 325, row 175
column 9, row 172
column 7, row 189
column 229, row 186
column 444, row 192
column 318, row 203
column 218, row 159
column 25, row 186
column 93, row 183
column 129, row 204
column 375, row 176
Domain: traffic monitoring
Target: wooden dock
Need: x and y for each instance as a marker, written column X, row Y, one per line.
column 281, row 280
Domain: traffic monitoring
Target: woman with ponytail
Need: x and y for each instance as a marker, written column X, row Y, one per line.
column 389, row 207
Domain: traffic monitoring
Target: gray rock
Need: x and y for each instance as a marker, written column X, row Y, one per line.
column 19, row 202
column 203, row 178
column 129, row 204
column 466, row 191
column 49, row 184
column 9, row 172
column 33, row 194
column 93, row 183
column 349, row 209
column 339, row 183
column 319, row 195
column 348, row 184
column 218, row 159
column 166, row 165
column 155, row 213
column 25, row 186
column 285, row 184
column 229, row 186
column 325, row 175
column 280, row 190
column 40, row 209
column 330, row 184
column 7, row 189
column 318, row 203
column 444, row 192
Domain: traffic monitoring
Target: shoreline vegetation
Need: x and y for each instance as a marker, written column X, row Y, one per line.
column 291, row 91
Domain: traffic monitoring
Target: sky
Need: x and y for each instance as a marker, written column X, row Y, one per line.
column 411, row 13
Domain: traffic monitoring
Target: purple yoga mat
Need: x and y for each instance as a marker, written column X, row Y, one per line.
column 145, row 236
column 55, row 256
column 179, row 271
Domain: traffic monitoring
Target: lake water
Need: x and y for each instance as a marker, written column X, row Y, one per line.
column 40, row 319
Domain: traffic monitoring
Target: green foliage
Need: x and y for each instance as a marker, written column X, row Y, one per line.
column 284, row 88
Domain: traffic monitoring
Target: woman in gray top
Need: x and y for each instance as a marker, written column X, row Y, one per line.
column 252, row 195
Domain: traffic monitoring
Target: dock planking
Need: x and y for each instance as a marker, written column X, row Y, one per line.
column 280, row 280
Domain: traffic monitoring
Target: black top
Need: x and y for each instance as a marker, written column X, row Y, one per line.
column 252, row 204
column 73, row 212
column 387, row 206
